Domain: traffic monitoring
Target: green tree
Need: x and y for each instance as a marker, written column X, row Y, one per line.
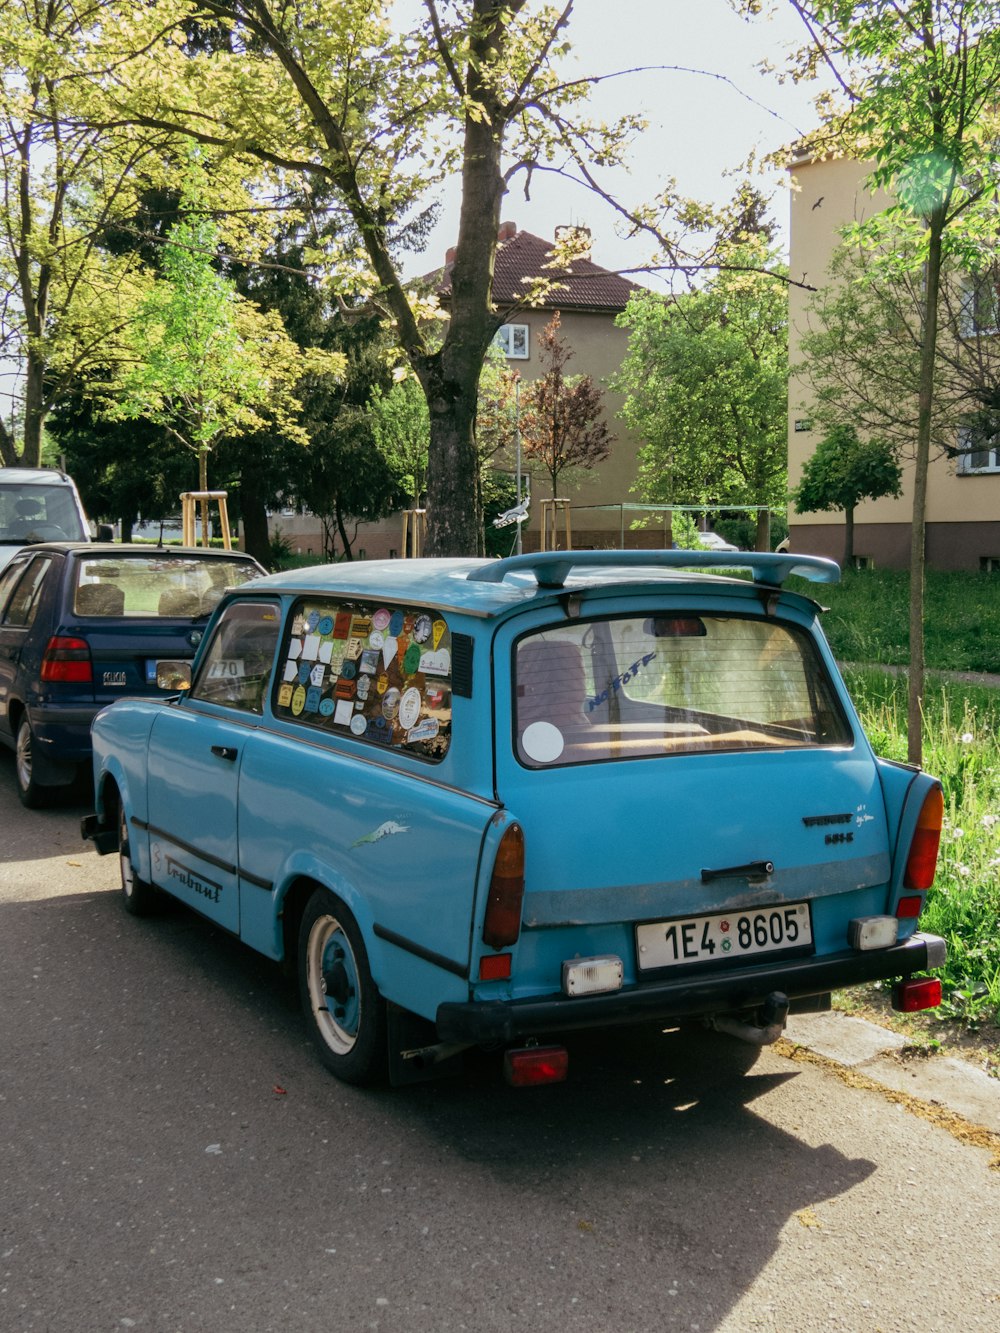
column 401, row 427
column 382, row 118
column 862, row 348
column 705, row 381
column 64, row 300
column 842, row 472
column 919, row 80
column 562, row 416
column 205, row 361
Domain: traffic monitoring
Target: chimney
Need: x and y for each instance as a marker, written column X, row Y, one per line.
column 507, row 232
column 449, row 256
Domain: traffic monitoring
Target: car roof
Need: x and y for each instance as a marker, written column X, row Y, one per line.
column 124, row 549
column 34, row 476
column 492, row 587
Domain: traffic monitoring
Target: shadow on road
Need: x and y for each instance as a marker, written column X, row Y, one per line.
column 645, row 1187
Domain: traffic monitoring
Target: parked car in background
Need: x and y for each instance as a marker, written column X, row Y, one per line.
column 38, row 505
column 82, row 624
column 494, row 802
column 712, row 541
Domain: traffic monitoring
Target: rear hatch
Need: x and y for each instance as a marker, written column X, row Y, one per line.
column 679, row 763
column 137, row 608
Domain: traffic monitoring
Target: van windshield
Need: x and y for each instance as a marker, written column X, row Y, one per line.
column 660, row 684
column 39, row 513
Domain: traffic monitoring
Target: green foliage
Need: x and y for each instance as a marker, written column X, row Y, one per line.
column 705, row 384
column 867, row 619
column 844, row 470
column 962, row 744
column 199, row 371
column 400, row 425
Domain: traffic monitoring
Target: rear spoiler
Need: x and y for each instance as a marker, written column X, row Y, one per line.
column 552, row 568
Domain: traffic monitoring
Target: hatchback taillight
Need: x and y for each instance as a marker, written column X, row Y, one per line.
column 503, row 907
column 67, row 659
column 922, row 860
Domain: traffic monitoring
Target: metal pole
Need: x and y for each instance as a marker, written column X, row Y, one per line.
column 517, row 437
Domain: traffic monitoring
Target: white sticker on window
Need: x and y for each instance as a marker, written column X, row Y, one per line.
column 542, row 742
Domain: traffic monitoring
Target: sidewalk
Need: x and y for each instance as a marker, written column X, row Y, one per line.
column 888, row 1059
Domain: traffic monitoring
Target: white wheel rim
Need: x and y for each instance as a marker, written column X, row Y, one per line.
column 339, row 1024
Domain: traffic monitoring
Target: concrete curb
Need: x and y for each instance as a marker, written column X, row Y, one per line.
column 886, row 1058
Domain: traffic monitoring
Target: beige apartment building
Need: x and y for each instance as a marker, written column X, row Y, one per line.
column 589, row 299
column 963, row 505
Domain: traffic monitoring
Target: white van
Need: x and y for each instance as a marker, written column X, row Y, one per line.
column 38, row 505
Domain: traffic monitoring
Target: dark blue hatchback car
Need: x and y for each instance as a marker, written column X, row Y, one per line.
column 82, row 624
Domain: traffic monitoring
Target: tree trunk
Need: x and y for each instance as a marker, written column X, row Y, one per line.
column 341, row 528
column 34, row 412
column 256, row 541
column 762, row 537
column 928, row 353
column 848, row 537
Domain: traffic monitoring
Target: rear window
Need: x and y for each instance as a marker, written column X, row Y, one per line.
column 39, row 513
column 670, row 684
column 155, row 585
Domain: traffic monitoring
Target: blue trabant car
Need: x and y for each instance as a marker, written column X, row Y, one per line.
column 480, row 802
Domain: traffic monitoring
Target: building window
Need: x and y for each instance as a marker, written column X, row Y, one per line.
column 513, row 339
column 979, row 448
column 981, row 304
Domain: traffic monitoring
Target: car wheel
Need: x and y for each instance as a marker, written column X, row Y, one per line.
column 140, row 898
column 32, row 793
column 344, row 1011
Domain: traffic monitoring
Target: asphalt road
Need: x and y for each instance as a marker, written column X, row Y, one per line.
column 173, row 1157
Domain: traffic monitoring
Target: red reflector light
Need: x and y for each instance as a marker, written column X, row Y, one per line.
column 66, row 659
column 909, row 907
column 494, row 967
column 922, row 860
column 532, row 1065
column 502, row 924
column 916, row 993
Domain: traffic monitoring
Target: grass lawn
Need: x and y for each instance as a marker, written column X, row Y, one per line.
column 868, row 618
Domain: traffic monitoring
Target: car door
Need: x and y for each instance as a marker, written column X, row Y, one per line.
column 194, row 759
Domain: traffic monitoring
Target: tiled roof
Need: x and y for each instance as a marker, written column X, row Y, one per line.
column 584, row 285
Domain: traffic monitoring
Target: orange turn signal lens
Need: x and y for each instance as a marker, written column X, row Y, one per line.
column 922, row 860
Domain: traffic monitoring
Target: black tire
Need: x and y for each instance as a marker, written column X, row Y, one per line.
column 34, row 795
column 344, row 1011
column 138, row 897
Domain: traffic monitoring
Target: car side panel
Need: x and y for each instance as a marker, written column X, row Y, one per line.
column 402, row 850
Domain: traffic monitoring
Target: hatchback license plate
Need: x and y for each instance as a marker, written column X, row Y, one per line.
column 705, row 939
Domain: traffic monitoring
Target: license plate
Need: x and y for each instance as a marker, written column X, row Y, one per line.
column 726, row 935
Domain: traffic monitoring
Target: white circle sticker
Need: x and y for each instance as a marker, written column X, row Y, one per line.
column 542, row 742
column 409, row 708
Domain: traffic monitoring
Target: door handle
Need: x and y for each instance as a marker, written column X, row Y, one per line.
column 225, row 752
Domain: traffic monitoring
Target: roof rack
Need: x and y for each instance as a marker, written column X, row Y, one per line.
column 552, row 568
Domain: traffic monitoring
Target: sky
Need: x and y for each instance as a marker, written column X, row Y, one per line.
column 702, row 125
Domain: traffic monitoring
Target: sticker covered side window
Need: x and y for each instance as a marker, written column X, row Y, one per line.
column 378, row 673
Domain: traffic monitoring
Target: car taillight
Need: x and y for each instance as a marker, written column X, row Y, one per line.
column 67, row 659
column 922, row 860
column 532, row 1065
column 916, row 993
column 503, row 906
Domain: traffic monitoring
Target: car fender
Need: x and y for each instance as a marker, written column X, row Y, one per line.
column 261, row 913
column 904, row 790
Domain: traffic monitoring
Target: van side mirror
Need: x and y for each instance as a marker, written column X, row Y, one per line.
column 105, row 532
